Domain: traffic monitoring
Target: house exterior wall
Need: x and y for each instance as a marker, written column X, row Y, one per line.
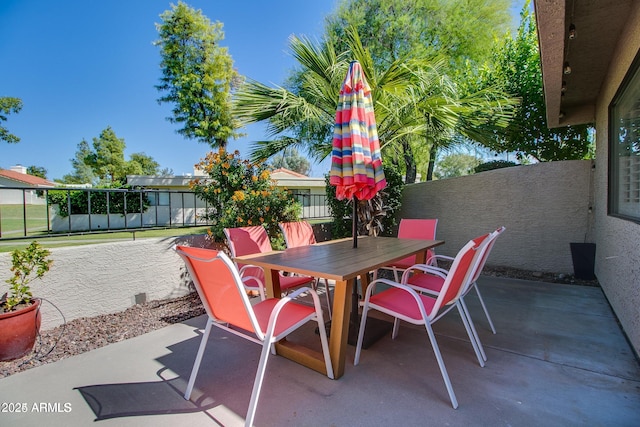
column 617, row 240
column 544, row 207
column 180, row 183
column 14, row 196
column 4, row 182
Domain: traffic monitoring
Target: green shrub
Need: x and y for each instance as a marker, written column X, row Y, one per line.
column 376, row 216
column 24, row 263
column 102, row 201
column 240, row 193
column 494, row 164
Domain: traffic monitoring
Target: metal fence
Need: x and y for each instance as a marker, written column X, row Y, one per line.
column 314, row 206
column 27, row 212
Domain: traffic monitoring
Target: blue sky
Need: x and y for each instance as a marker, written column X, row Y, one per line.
column 80, row 66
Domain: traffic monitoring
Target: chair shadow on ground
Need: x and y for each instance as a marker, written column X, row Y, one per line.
column 143, row 398
column 166, row 396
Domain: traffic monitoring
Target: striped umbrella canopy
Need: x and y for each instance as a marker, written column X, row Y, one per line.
column 356, row 163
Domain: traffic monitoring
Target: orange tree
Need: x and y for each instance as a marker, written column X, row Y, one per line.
column 240, row 193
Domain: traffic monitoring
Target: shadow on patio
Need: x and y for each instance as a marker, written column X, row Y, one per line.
column 559, row 358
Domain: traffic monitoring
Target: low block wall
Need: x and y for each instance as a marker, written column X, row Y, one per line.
column 90, row 280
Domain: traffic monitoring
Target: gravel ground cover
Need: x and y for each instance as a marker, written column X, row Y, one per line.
column 88, row 333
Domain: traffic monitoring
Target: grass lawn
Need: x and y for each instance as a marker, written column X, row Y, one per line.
column 12, row 220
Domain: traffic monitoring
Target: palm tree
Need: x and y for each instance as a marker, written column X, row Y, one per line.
column 442, row 118
column 415, row 104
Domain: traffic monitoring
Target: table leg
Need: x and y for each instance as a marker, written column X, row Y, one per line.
column 364, row 284
column 340, row 325
column 339, row 329
column 272, row 283
column 421, row 258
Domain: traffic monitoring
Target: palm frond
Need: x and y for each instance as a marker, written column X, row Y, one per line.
column 262, row 150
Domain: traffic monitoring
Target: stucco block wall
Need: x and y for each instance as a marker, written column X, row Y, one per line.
column 544, row 207
column 90, row 280
column 617, row 240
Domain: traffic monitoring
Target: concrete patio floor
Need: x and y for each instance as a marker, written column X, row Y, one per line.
column 558, row 359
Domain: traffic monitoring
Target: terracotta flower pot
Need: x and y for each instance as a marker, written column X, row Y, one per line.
column 18, row 331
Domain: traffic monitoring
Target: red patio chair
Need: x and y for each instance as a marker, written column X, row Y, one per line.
column 253, row 240
column 432, row 279
column 414, row 229
column 404, row 303
column 221, row 290
column 431, row 284
column 300, row 233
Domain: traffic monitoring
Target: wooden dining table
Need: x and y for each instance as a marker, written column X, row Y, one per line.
column 340, row 261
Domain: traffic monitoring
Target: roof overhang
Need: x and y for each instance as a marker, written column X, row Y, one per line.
column 300, row 183
column 159, row 181
column 598, row 24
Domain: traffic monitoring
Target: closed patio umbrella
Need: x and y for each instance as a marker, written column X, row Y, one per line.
column 356, row 163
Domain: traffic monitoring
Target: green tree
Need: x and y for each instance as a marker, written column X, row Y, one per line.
column 443, row 116
column 197, row 75
column 141, row 164
column 463, row 32
column 8, row 105
column 456, row 164
column 37, row 171
column 104, row 163
column 107, row 157
column 165, row 172
column 82, row 172
column 292, row 160
column 392, row 29
column 411, row 98
column 517, row 63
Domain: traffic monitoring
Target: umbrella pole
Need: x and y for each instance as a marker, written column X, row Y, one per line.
column 354, row 222
column 355, row 298
column 376, row 328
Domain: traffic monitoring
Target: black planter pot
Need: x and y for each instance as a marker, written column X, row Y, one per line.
column 584, row 260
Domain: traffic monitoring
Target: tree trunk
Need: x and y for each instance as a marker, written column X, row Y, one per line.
column 410, row 163
column 432, row 161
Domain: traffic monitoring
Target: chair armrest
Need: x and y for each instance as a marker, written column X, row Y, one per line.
column 437, row 257
column 245, row 267
column 387, row 282
column 261, row 288
column 427, row 269
column 297, row 292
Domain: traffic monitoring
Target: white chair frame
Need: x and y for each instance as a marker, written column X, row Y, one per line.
column 266, row 339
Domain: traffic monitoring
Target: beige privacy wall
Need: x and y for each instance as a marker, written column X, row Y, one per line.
column 544, row 206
